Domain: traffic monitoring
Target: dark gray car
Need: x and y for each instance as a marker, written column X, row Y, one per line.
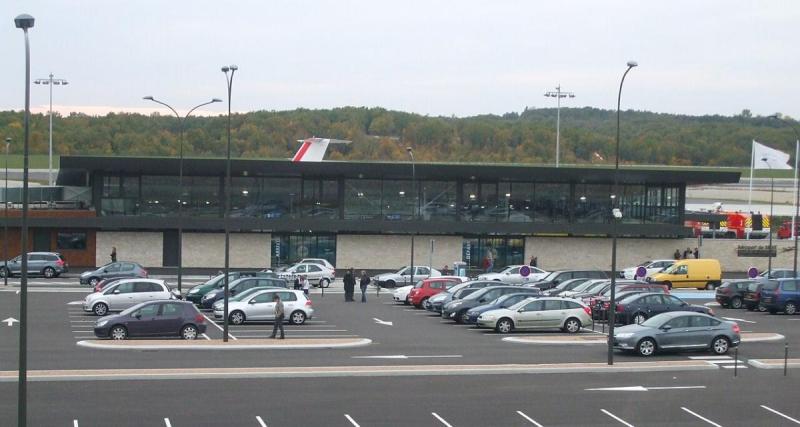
column 111, row 270
column 47, row 264
column 154, row 318
column 678, row 330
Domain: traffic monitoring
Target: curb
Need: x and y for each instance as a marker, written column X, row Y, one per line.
column 773, row 363
column 770, row 337
column 96, row 344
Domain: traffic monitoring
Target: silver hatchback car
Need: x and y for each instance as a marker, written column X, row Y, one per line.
column 678, row 330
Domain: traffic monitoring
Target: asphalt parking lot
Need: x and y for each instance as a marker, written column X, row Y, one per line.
column 402, row 338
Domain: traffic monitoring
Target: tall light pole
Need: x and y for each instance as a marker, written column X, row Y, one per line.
column 24, row 22
column 771, row 223
column 616, row 215
column 414, row 212
column 558, row 94
column 226, row 219
column 181, row 123
column 796, row 196
column 50, row 81
column 5, row 223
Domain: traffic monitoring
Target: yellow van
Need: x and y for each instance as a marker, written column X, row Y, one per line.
column 690, row 273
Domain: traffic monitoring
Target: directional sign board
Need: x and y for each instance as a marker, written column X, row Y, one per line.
column 524, row 271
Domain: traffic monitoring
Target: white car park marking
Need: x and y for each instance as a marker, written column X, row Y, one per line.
column 733, row 319
column 778, row 413
column 701, row 417
column 726, row 362
column 260, row 421
column 10, row 321
column 74, row 423
column 381, row 322
column 617, row 418
column 403, row 356
column 529, row 419
column 219, row 327
column 167, row 423
column 352, row 421
column 642, row 388
column 442, row 420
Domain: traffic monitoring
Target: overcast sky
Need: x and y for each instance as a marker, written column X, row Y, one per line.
column 431, row 57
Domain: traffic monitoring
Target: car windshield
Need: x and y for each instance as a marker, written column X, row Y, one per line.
column 550, row 276
column 507, row 269
column 672, row 268
column 245, row 294
column 419, row 284
column 595, row 287
column 463, row 293
column 645, row 264
column 519, row 305
column 655, row 322
column 479, row 293
column 403, row 271
column 585, row 285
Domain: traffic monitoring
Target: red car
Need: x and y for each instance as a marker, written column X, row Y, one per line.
column 428, row 288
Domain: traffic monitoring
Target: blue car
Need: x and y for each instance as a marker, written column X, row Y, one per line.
column 504, row 301
column 781, row 295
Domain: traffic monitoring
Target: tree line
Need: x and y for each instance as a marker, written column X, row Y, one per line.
column 587, row 135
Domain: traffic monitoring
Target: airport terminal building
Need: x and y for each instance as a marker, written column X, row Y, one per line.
column 359, row 214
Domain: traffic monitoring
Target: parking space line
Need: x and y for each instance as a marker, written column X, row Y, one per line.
column 260, row 421
column 435, row 415
column 701, row 417
column 206, row 337
column 529, row 419
column 778, row 413
column 74, row 423
column 220, row 327
column 352, row 421
column 167, row 423
column 617, row 418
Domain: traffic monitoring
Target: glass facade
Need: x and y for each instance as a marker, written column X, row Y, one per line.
column 290, row 248
column 492, row 254
column 390, row 200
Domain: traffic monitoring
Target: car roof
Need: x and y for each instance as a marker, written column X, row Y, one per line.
column 141, row 279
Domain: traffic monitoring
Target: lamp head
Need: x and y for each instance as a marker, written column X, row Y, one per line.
column 225, row 69
column 148, row 98
column 8, row 140
column 216, row 100
column 632, row 64
column 234, row 68
column 24, row 21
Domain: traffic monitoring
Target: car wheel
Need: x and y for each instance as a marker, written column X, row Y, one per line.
column 324, row 283
column 736, row 303
column 504, row 326
column 461, row 316
column 189, row 332
column 390, row 284
column 237, row 317
column 639, row 318
column 710, row 286
column 646, row 347
column 424, row 304
column 49, row 273
column 93, row 281
column 100, row 309
column 572, row 325
column 761, row 307
column 118, row 333
column 720, row 345
column 790, row 308
column 297, row 318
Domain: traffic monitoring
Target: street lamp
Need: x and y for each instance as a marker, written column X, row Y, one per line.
column 796, row 198
column 24, row 22
column 414, row 212
column 616, row 216
column 558, row 94
column 226, row 219
column 181, row 122
column 50, row 81
column 5, row 223
column 771, row 194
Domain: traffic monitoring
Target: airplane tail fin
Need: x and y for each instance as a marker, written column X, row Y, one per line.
column 313, row 149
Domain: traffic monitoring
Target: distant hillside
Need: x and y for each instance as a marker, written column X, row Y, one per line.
column 587, row 135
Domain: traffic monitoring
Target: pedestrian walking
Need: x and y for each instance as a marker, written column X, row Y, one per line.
column 534, row 261
column 113, row 254
column 279, row 315
column 364, row 282
column 306, row 285
column 677, row 254
column 446, row 270
column 349, row 285
column 686, row 253
column 696, row 253
column 489, row 260
column 297, row 283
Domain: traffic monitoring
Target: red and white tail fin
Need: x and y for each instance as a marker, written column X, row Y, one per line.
column 313, row 149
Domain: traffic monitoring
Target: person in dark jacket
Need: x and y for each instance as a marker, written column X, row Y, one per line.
column 113, row 254
column 677, row 255
column 364, row 282
column 696, row 253
column 279, row 316
column 349, row 285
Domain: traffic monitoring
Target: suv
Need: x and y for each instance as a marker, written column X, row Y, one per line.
column 731, row 293
column 112, row 270
column 553, row 279
column 48, row 264
column 782, row 296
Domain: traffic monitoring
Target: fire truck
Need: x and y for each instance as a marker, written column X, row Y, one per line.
column 720, row 224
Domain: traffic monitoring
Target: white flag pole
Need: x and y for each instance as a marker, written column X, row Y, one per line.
column 752, row 164
column 796, row 155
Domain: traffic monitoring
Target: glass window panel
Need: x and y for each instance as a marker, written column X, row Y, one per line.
column 551, row 203
column 66, row 240
column 202, row 196
column 290, row 248
column 632, row 203
column 159, row 195
column 520, row 201
column 592, row 203
column 398, row 200
column 438, row 201
column 362, row 199
column 320, row 198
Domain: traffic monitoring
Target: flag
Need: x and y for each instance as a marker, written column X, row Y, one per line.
column 769, row 158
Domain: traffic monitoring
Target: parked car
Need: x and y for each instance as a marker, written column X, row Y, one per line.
column 752, row 297
column 457, row 309
column 317, row 274
column 703, row 273
column 240, row 285
column 153, row 318
column 125, row 294
column 678, row 331
column 401, row 294
column 564, row 286
column 437, row 302
column 600, row 308
column 197, row 293
column 260, row 306
column 538, row 313
column 640, row 307
column 586, row 286
column 512, row 275
column 652, row 266
column 504, row 301
column 624, row 286
column 777, row 273
column 784, row 296
column 554, row 278
column 113, row 270
column 402, row 277
column 418, row 296
column 47, row 264
column 731, row 293
column 321, row 261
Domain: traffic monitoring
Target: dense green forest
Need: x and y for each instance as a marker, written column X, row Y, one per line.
column 587, row 135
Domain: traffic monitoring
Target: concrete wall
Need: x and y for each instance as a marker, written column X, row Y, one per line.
column 207, row 250
column 384, row 252
column 562, row 253
column 143, row 247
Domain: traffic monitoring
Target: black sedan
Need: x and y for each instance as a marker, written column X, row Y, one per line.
column 154, row 318
column 731, row 294
column 639, row 307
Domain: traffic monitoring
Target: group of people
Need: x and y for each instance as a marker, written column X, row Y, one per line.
column 350, row 285
column 301, row 282
column 686, row 254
